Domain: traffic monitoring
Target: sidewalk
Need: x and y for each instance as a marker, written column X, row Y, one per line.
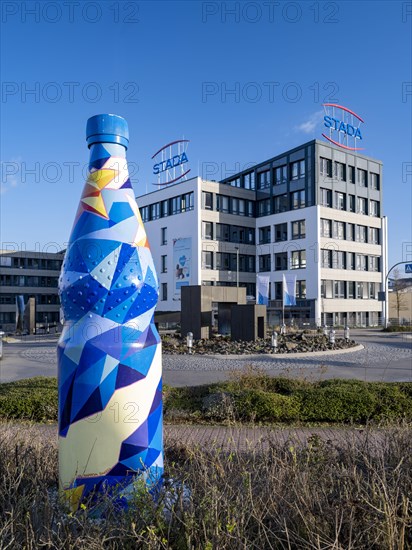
column 237, row 438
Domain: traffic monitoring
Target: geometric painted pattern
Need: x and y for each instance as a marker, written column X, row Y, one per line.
column 109, row 353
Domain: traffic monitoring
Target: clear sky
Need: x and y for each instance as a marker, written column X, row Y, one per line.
column 169, row 68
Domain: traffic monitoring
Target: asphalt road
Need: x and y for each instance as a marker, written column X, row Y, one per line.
column 385, row 357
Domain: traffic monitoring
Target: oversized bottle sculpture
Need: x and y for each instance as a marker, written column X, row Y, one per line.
column 109, row 353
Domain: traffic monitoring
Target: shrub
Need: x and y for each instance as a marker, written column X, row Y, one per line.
column 260, row 406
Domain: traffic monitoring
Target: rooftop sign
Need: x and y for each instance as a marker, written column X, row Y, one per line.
column 170, row 162
column 344, row 127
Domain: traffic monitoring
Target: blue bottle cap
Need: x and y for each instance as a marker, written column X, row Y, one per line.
column 107, row 129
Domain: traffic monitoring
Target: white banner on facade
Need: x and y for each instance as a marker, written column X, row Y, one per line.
column 182, row 259
column 263, row 282
column 289, row 289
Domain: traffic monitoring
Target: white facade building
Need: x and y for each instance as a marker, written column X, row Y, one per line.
column 314, row 211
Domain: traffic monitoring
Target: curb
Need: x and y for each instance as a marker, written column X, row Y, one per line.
column 275, row 356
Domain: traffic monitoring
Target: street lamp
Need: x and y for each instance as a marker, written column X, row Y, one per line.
column 189, row 341
column 46, row 324
column 237, row 266
column 283, row 329
column 332, row 337
column 274, row 341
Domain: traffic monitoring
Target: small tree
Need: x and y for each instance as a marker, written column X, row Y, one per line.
column 399, row 291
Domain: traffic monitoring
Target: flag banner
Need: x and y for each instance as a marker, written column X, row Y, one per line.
column 19, row 311
column 263, row 289
column 289, row 289
column 182, row 256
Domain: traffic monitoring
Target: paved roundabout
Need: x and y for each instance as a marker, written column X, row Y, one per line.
column 379, row 357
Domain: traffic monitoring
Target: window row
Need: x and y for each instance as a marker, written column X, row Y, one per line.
column 297, row 231
column 350, row 290
column 41, row 299
column 274, row 176
column 30, row 263
column 343, row 172
column 168, row 207
column 348, row 202
column 349, row 231
column 297, row 260
column 228, row 233
column 338, row 259
column 282, row 203
column 227, row 205
column 228, row 261
column 278, row 290
column 28, row 280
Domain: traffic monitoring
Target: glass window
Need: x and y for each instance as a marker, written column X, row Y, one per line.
column 374, row 208
column 326, row 197
column 374, row 263
column 326, row 288
column 207, row 200
column 281, row 203
column 298, row 259
column 374, row 235
column 361, row 262
column 298, row 199
column 351, row 174
column 361, row 205
column 359, row 290
column 164, row 291
column 350, row 260
column 361, row 233
column 340, row 201
column 249, row 180
column 350, row 231
column 207, row 259
column 207, row 230
column 326, row 258
column 164, row 207
column 351, row 290
column 264, row 207
column 338, row 259
column 264, row 235
column 155, row 211
column 163, row 263
column 297, row 170
column 339, row 230
column 325, row 167
column 351, row 203
column 372, row 291
column 264, row 179
column 264, row 262
column 339, row 289
column 281, row 174
column 163, row 235
column 374, row 181
column 281, row 261
column 281, row 232
column 175, row 204
column 362, row 179
column 301, row 290
column 145, row 213
column 187, row 202
column 339, row 171
column 298, row 229
column 222, row 203
column 325, row 228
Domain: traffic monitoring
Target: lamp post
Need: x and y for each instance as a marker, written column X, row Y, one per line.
column 274, row 341
column 237, row 270
column 283, row 329
column 332, row 337
column 325, row 330
column 189, row 341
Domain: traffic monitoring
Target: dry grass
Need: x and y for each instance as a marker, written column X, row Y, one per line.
column 322, row 496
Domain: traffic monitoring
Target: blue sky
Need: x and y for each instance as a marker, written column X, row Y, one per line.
column 168, row 68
